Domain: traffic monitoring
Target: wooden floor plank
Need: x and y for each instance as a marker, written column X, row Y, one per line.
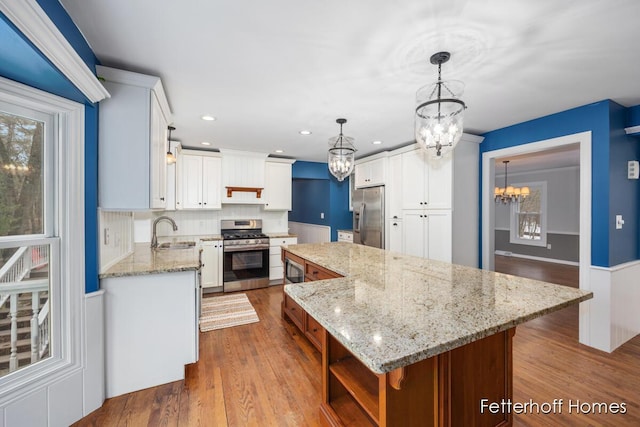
column 268, row 374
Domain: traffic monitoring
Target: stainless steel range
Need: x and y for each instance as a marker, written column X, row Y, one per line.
column 246, row 255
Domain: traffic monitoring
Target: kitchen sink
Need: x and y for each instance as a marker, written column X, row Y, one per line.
column 176, row 245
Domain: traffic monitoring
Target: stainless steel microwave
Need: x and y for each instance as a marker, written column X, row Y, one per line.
column 293, row 271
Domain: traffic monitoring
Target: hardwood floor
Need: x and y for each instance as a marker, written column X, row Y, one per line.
column 266, row 374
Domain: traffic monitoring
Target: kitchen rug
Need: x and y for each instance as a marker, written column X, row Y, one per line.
column 226, row 311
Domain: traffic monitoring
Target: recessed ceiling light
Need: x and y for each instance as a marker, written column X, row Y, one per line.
column 377, row 142
column 205, row 143
column 208, row 117
column 305, row 132
column 279, row 151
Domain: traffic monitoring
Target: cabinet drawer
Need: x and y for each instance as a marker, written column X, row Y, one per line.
column 295, row 312
column 275, row 260
column 313, row 331
column 276, row 273
column 314, row 272
column 276, row 243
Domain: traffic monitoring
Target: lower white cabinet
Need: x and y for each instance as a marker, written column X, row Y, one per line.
column 394, row 244
column 211, row 268
column 151, row 329
column 345, row 236
column 276, row 268
column 427, row 234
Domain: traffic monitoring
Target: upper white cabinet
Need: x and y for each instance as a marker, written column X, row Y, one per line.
column 426, row 184
column 277, row 185
column 243, row 176
column 371, row 173
column 393, row 192
column 132, row 170
column 198, row 180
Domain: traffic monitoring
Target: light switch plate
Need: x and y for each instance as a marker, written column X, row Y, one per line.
column 619, row 222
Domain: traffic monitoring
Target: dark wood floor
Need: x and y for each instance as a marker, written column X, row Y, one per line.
column 266, row 374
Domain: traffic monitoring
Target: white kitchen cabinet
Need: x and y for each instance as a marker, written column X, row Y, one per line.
column 211, row 268
column 198, row 176
column 243, row 177
column 371, row 173
column 345, row 236
column 428, row 234
column 151, row 329
column 132, row 169
column 426, row 184
column 393, row 191
column 394, row 243
column 277, row 188
column 276, row 268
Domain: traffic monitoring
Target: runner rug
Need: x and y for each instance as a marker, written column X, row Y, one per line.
column 226, row 311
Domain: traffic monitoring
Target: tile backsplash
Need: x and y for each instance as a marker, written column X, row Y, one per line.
column 194, row 222
column 116, row 237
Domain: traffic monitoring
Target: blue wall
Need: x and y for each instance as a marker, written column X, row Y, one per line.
column 610, row 195
column 22, row 62
column 633, row 118
column 315, row 190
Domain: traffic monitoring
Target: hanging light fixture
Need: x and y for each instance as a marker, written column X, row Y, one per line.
column 171, row 159
column 439, row 112
column 341, row 157
column 509, row 193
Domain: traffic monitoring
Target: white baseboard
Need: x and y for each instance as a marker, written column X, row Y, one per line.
column 537, row 258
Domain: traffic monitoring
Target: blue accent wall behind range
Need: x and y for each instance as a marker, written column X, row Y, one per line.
column 22, row 62
column 315, row 190
column 611, row 194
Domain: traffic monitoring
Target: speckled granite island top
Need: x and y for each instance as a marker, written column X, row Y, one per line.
column 145, row 260
column 392, row 310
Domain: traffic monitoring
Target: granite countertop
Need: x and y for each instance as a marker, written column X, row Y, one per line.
column 145, row 260
column 283, row 234
column 392, row 310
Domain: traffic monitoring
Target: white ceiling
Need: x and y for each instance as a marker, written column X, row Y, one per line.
column 559, row 157
column 268, row 69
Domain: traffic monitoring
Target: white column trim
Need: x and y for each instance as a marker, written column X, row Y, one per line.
column 33, row 22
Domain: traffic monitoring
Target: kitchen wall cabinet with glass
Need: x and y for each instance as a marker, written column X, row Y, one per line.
column 198, row 180
column 132, row 169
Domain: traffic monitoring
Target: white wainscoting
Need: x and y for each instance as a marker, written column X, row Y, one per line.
column 94, row 380
column 613, row 311
column 310, row 233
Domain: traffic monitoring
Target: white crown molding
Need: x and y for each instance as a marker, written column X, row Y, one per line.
column 33, row 22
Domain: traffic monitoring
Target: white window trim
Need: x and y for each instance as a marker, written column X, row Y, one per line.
column 68, row 311
column 513, row 221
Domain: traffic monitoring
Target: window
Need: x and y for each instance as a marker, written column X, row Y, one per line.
column 41, row 237
column 529, row 216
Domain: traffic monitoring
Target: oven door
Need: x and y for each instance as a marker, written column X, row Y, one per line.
column 245, row 269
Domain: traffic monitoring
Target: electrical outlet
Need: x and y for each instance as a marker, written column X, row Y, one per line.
column 321, row 215
column 619, row 222
column 549, row 246
column 105, row 237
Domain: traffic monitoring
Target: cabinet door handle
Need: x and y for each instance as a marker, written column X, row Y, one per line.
column 162, row 198
column 395, row 223
column 205, row 203
column 199, row 203
column 315, row 329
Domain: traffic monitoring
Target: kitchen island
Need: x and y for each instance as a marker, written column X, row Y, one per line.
column 409, row 341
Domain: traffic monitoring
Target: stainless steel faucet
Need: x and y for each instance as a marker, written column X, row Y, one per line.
column 154, row 238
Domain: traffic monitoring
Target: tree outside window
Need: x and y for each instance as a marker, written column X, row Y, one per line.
column 528, row 217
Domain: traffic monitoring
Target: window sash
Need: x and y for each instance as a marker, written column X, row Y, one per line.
column 515, row 236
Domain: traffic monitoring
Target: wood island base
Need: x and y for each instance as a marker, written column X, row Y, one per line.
column 444, row 390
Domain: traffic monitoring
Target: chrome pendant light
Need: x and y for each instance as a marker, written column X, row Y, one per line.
column 341, row 158
column 509, row 194
column 439, row 112
column 171, row 159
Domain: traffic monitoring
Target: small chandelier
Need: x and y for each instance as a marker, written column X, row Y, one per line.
column 341, row 159
column 171, row 159
column 440, row 112
column 509, row 194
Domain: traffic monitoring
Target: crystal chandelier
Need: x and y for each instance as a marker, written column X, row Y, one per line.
column 341, row 157
column 440, row 112
column 509, row 193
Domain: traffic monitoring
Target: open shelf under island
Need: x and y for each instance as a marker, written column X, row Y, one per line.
column 407, row 341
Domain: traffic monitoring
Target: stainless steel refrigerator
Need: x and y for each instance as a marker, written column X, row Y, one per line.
column 368, row 216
